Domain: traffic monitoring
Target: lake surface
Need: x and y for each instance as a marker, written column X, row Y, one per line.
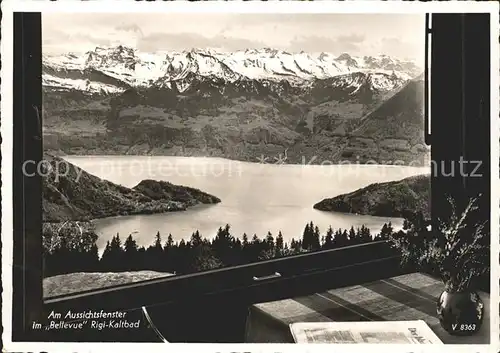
column 256, row 198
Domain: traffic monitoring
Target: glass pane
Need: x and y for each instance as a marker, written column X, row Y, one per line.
column 220, row 140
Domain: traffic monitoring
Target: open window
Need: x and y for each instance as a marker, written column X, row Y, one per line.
column 414, row 133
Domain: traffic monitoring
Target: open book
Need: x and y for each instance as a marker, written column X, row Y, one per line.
column 397, row 332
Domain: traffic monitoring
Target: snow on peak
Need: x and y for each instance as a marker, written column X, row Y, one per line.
column 135, row 68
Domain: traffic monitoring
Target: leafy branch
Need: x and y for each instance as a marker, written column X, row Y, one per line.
column 457, row 248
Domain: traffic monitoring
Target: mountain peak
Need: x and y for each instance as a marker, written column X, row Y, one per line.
column 112, row 49
column 344, row 56
column 348, row 60
column 323, row 55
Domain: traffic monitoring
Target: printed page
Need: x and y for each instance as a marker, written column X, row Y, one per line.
column 387, row 332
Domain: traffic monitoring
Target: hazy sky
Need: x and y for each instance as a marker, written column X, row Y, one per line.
column 358, row 34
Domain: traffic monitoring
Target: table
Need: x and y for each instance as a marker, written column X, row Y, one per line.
column 406, row 297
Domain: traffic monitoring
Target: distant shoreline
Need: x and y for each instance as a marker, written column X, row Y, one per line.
column 389, row 199
column 124, row 156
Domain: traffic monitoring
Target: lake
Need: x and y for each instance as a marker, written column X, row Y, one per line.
column 256, row 198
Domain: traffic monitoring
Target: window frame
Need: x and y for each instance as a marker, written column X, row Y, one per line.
column 28, row 302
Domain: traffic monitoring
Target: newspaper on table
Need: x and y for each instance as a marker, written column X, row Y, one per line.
column 385, row 332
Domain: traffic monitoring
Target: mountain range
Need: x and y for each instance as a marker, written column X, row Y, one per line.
column 243, row 105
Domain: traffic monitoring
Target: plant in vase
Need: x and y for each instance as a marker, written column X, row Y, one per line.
column 457, row 250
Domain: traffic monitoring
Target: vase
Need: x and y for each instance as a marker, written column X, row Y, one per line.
column 460, row 313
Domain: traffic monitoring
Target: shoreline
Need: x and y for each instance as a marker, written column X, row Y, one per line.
column 226, row 159
column 366, row 220
column 90, row 220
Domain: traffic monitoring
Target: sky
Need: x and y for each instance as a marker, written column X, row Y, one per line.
column 398, row 35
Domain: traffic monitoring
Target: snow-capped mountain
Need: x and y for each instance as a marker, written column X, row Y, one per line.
column 113, row 70
column 238, row 105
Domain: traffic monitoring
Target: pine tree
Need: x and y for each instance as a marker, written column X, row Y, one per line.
column 238, row 246
column 130, row 245
column 154, row 255
column 279, row 244
column 352, row 236
column 311, row 237
column 93, row 257
column 252, row 250
column 306, row 237
column 386, row 231
column 316, row 244
column 329, row 238
column 141, row 258
column 157, row 243
column 223, row 246
column 104, row 262
column 389, row 227
column 181, row 259
column 112, row 257
column 170, row 242
column 116, row 243
column 196, row 239
column 341, row 238
column 270, row 242
column 227, row 229
column 345, row 236
column 359, row 235
column 131, row 249
column 366, row 236
column 169, row 253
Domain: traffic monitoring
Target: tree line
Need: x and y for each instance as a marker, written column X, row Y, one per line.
column 195, row 254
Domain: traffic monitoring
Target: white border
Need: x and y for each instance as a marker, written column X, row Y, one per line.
column 9, row 6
